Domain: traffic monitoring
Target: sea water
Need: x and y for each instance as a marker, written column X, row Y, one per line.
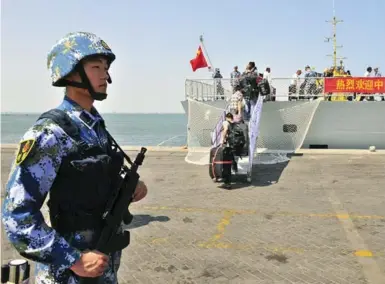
column 127, row 129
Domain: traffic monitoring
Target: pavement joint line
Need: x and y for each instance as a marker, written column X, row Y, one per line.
column 257, row 212
column 370, row 267
column 215, row 240
column 275, row 248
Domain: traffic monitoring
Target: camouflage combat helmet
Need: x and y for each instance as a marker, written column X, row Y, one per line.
column 65, row 56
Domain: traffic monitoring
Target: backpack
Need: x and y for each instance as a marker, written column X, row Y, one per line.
column 236, row 138
column 250, row 86
column 264, row 87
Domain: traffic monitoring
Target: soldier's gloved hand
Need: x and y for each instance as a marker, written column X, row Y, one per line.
column 90, row 264
column 140, row 191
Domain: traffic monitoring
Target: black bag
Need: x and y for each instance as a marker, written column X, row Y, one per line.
column 245, row 149
column 249, row 86
column 221, row 159
column 236, row 137
column 264, row 87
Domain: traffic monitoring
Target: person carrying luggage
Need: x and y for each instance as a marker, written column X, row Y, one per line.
column 222, row 157
column 234, row 140
column 227, row 152
column 235, row 135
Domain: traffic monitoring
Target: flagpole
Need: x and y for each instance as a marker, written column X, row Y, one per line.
column 207, row 55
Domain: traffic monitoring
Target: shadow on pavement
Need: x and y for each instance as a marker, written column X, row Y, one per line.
column 141, row 220
column 263, row 174
column 266, row 175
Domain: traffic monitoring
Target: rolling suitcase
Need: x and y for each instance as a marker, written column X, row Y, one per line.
column 221, row 159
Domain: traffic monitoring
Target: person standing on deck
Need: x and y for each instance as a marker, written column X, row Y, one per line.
column 75, row 171
column 376, row 72
column 378, row 97
column 234, row 78
column 310, row 82
column 267, row 77
column 368, row 73
column 219, row 90
column 294, row 85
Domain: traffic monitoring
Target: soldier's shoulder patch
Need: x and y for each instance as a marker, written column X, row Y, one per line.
column 25, row 148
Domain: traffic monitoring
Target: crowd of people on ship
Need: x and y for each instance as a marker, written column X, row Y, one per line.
column 308, row 87
column 339, row 71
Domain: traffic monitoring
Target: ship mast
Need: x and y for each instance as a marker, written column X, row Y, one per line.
column 334, row 22
column 211, row 67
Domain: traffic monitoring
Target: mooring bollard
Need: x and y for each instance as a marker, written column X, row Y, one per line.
column 15, row 272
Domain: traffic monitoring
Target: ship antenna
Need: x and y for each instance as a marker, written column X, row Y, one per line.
column 205, row 51
column 334, row 22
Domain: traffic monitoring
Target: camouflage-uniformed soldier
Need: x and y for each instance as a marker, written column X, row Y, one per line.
column 49, row 160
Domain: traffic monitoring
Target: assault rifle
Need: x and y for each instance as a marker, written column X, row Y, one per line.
column 111, row 239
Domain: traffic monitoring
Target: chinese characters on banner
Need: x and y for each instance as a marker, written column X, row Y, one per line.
column 366, row 85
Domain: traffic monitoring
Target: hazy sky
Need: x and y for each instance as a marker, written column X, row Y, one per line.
column 155, row 40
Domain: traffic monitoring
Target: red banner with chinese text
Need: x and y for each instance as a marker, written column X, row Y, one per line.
column 368, row 85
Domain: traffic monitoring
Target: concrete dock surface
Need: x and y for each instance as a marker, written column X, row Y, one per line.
column 318, row 218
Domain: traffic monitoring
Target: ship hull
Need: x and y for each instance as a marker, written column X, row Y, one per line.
column 335, row 125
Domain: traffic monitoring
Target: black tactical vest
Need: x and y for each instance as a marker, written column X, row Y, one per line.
column 83, row 183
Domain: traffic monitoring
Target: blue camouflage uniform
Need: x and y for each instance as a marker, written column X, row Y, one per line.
column 235, row 79
column 310, row 81
column 37, row 165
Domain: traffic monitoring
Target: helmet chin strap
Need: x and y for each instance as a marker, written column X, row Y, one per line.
column 85, row 84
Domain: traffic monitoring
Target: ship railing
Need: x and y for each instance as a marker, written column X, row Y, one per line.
column 284, row 89
column 207, row 89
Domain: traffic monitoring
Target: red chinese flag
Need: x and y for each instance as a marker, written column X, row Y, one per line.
column 199, row 61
